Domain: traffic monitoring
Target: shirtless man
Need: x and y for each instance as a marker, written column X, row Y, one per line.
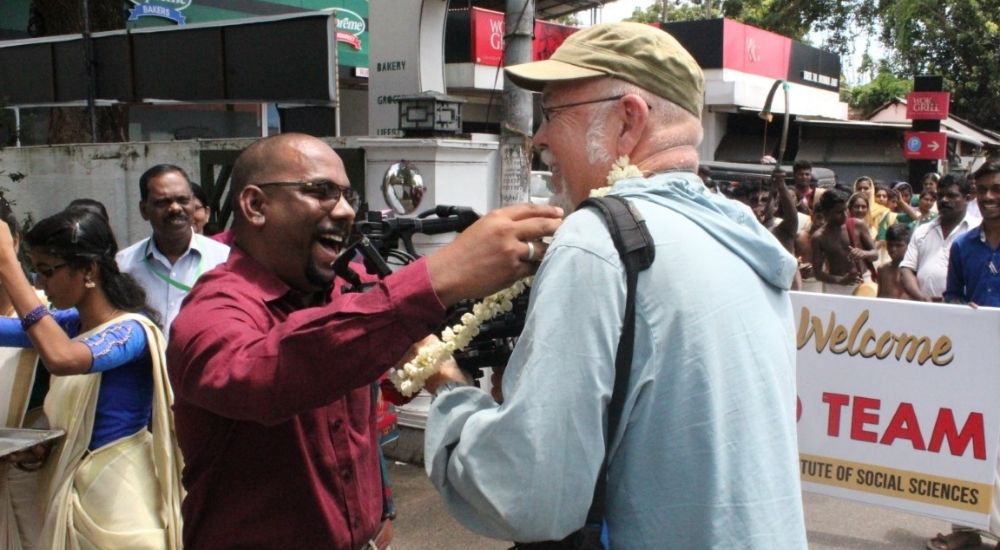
column 838, row 264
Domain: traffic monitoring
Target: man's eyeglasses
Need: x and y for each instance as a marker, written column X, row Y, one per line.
column 49, row 270
column 547, row 111
column 323, row 191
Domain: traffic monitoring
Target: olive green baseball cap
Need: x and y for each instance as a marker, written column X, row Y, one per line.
column 634, row 52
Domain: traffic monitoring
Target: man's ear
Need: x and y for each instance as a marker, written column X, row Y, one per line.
column 142, row 210
column 252, row 205
column 636, row 117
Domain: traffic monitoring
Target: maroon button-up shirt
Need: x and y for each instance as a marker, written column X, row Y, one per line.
column 274, row 408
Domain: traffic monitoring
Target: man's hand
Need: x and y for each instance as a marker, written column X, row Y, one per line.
column 852, row 277
column 449, row 372
column 502, row 247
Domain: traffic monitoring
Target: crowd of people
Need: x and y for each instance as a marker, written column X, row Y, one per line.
column 220, row 392
column 874, row 239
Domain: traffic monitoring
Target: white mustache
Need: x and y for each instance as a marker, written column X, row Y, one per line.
column 547, row 158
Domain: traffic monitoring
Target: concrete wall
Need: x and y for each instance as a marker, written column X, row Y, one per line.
column 55, row 175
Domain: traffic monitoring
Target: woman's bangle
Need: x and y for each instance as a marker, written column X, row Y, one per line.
column 33, row 317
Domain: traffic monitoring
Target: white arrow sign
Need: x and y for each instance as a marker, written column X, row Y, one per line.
column 934, row 146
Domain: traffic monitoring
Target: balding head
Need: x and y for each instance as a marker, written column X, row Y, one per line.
column 283, row 217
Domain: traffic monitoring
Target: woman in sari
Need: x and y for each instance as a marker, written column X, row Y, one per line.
column 113, row 481
column 879, row 216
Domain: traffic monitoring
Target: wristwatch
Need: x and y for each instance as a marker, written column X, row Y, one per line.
column 448, row 386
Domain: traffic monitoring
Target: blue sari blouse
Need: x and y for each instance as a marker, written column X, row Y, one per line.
column 121, row 352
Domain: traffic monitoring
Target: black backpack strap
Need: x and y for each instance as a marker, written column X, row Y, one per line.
column 635, row 246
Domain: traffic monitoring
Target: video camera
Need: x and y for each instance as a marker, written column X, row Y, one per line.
column 377, row 240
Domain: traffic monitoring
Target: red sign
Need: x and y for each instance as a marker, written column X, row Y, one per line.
column 925, row 145
column 927, row 105
column 754, row 51
column 488, row 31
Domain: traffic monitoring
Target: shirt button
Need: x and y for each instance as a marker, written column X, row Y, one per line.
column 345, row 472
column 337, row 424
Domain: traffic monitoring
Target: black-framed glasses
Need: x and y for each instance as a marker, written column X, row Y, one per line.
column 322, row 190
column 547, row 111
column 49, row 270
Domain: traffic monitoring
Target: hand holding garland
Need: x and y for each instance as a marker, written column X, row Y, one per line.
column 412, row 376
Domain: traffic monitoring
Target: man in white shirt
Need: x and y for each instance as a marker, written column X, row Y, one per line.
column 168, row 263
column 924, row 273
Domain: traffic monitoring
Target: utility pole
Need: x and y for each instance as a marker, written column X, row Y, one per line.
column 516, row 128
column 88, row 59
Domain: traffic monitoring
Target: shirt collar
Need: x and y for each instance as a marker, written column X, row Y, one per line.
column 269, row 285
column 152, row 251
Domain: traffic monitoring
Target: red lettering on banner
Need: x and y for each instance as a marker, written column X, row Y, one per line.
column 860, row 416
column 904, row 425
column 837, row 400
column 944, row 428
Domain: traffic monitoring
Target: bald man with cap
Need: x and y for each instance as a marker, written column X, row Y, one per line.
column 705, row 453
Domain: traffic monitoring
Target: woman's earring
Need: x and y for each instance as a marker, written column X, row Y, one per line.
column 89, row 283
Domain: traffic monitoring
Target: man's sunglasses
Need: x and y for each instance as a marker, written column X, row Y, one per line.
column 323, row 191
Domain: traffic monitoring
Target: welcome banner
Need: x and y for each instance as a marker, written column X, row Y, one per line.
column 899, row 403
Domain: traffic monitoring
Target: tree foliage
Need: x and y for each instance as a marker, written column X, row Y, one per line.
column 957, row 39
column 882, row 89
column 676, row 11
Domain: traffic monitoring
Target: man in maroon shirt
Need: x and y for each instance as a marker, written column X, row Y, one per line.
column 272, row 365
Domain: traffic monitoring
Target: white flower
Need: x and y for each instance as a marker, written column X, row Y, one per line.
column 619, row 171
column 410, row 379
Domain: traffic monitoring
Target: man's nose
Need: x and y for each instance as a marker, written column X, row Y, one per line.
column 342, row 208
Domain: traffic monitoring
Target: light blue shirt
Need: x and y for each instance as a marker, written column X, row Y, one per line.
column 144, row 261
column 705, row 455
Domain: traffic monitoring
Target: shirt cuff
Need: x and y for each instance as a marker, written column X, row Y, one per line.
column 414, row 298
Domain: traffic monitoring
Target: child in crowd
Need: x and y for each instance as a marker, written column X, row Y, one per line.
column 842, row 250
column 896, row 238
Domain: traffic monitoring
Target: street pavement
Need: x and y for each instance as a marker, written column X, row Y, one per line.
column 423, row 523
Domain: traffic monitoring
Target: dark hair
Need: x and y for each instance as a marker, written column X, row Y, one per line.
column 928, row 192
column 199, row 193
column 154, row 172
column 991, row 167
column 93, row 205
column 8, row 217
column 704, row 170
column 932, row 176
column 801, row 165
column 854, row 197
column 80, row 237
column 898, row 232
column 830, row 199
column 963, row 184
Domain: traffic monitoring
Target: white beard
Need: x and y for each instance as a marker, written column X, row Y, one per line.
column 560, row 194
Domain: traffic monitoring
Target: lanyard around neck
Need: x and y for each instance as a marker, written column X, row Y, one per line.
column 174, row 282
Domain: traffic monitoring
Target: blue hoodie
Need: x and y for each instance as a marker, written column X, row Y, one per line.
column 706, row 454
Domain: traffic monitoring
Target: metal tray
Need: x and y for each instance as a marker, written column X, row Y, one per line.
column 14, row 439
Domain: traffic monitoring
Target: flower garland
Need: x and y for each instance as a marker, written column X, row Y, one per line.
column 410, row 379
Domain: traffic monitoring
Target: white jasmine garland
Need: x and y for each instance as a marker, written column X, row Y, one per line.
column 410, row 379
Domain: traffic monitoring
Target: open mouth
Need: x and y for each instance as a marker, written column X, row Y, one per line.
column 331, row 243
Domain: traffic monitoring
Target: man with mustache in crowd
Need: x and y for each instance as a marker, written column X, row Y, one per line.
column 168, row 263
column 273, row 364
column 705, row 454
column 924, row 269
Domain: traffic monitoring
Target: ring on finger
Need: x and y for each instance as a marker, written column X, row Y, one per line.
column 531, row 251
